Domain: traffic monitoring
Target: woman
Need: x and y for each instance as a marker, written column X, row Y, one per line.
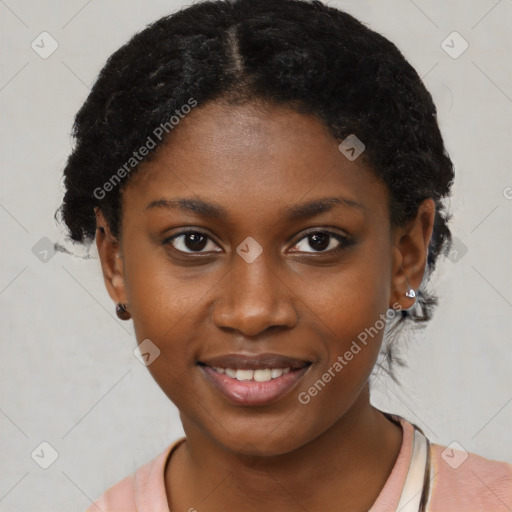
column 264, row 181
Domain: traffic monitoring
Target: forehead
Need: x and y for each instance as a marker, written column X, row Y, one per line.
column 246, row 156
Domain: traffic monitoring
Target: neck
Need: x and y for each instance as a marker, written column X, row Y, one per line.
column 344, row 469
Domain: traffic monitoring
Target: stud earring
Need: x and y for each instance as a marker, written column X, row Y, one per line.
column 122, row 312
column 410, row 292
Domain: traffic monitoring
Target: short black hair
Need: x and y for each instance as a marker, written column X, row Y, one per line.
column 296, row 53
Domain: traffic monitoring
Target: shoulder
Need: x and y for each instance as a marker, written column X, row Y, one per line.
column 120, row 497
column 461, row 480
column 141, row 489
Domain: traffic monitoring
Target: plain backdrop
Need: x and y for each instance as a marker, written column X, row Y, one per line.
column 68, row 373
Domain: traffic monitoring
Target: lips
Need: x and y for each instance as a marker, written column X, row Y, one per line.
column 254, row 379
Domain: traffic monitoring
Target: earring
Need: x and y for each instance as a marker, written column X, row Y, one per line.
column 410, row 292
column 122, row 312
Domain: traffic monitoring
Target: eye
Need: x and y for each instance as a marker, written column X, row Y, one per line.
column 191, row 242
column 323, row 242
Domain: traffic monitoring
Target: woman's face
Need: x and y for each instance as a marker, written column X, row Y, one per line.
column 288, row 261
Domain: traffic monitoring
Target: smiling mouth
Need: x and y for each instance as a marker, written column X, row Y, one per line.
column 254, row 380
column 259, row 375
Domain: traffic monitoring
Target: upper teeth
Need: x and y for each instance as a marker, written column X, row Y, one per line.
column 260, row 375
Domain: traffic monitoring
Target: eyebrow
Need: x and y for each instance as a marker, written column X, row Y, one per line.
column 293, row 213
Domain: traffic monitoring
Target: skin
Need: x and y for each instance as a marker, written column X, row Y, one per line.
column 255, row 160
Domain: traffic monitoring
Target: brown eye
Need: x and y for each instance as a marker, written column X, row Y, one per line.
column 190, row 242
column 321, row 241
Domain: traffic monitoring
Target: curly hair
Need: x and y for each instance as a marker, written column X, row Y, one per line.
column 297, row 53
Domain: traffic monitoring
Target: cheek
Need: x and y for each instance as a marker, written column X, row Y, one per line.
column 351, row 330
column 165, row 310
column 351, row 297
column 350, row 318
column 168, row 312
column 351, row 327
column 161, row 295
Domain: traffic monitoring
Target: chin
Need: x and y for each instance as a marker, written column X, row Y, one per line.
column 262, row 443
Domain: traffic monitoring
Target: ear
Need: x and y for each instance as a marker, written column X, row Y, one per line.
column 111, row 259
column 410, row 254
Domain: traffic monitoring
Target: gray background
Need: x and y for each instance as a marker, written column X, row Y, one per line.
column 67, row 369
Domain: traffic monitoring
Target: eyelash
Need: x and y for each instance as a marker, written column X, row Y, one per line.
column 344, row 241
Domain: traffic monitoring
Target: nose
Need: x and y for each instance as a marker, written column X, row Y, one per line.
column 253, row 299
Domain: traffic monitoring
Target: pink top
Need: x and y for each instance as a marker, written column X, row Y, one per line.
column 459, row 481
